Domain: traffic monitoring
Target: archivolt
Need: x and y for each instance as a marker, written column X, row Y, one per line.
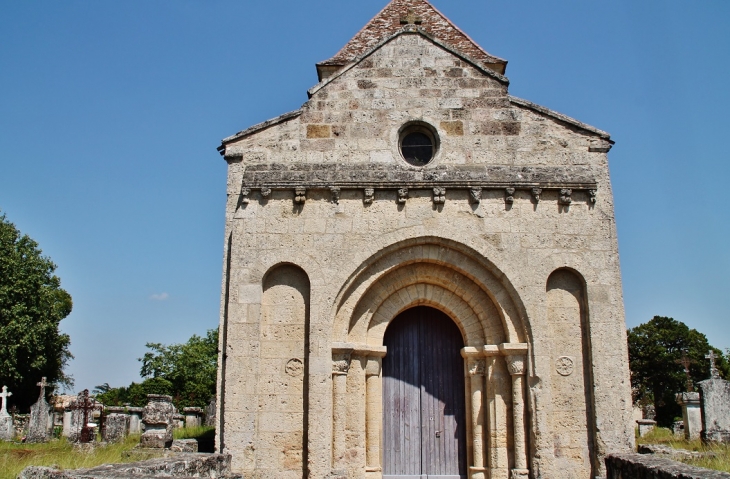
column 434, row 271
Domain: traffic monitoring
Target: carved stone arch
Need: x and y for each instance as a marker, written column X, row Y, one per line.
column 455, row 257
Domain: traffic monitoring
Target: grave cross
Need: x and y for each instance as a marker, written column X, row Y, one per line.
column 410, row 19
column 84, row 404
column 43, row 385
column 714, row 373
column 4, row 395
column 685, row 361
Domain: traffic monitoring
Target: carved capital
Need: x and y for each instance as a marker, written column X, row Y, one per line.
column 373, row 367
column 335, row 192
column 509, row 197
column 439, row 195
column 476, row 367
column 515, row 364
column 402, row 195
column 300, row 195
column 476, row 195
column 369, row 196
column 536, row 192
column 341, row 362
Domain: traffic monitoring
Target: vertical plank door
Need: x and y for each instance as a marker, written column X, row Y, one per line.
column 424, row 421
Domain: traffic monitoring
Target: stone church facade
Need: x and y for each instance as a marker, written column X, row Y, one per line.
column 421, row 274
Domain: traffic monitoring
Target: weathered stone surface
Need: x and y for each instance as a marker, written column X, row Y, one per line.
column 691, row 414
column 715, row 398
column 193, row 416
column 158, row 422
column 645, row 426
column 135, row 419
column 40, row 424
column 643, row 466
column 184, row 445
column 116, row 425
column 180, row 465
column 7, row 431
column 210, row 413
column 671, row 452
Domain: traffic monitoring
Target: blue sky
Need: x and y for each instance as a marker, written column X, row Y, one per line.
column 110, row 113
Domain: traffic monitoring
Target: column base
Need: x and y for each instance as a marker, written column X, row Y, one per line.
column 520, row 474
column 478, row 473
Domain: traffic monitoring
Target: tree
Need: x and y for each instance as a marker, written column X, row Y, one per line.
column 32, row 304
column 656, row 349
column 187, row 372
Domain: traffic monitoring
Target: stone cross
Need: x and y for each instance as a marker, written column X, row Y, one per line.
column 43, row 385
column 714, row 373
column 410, row 19
column 4, row 395
column 85, row 404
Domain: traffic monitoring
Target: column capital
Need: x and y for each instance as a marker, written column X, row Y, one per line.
column 515, row 364
column 341, row 361
column 476, row 367
column 373, row 366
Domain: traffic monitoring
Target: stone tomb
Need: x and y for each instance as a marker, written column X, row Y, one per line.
column 412, row 189
column 158, row 420
column 715, row 398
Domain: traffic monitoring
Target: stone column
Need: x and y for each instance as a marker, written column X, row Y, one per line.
column 373, row 412
column 497, row 397
column 476, row 382
column 691, row 414
column 515, row 355
column 340, row 367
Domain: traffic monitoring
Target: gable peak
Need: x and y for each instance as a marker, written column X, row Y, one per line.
column 399, row 14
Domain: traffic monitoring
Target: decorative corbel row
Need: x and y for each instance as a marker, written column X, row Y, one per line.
column 565, row 198
column 509, row 195
column 369, row 196
column 335, row 191
column 402, row 195
column 300, row 195
column 439, row 195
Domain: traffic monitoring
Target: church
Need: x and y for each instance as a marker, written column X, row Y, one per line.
column 421, row 274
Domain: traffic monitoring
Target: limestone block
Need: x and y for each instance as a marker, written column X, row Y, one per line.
column 116, row 425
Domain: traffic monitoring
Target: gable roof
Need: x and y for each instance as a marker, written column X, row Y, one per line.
column 391, row 19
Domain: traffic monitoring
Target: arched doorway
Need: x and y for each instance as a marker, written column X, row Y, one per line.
column 424, row 418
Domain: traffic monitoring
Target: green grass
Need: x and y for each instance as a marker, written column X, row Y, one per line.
column 721, row 462
column 14, row 457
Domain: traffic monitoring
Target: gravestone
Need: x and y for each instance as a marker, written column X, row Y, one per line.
column 135, row 419
column 40, row 417
column 715, row 398
column 158, row 422
column 691, row 414
column 645, row 426
column 210, row 413
column 81, row 429
column 193, row 416
column 6, row 420
column 179, row 421
column 116, row 424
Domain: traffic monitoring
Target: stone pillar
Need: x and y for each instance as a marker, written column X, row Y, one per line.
column 497, row 397
column 515, row 355
column 340, row 367
column 476, row 382
column 373, row 413
column 135, row 419
column 691, row 414
column 158, row 421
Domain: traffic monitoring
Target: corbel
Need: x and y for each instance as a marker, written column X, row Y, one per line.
column 476, row 195
column 369, row 196
column 244, row 195
column 439, row 195
column 402, row 195
column 509, row 195
column 265, row 192
column 536, row 192
column 565, row 198
column 300, row 195
column 592, row 196
column 335, row 191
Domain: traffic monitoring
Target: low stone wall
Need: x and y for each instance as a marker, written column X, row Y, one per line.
column 647, row 466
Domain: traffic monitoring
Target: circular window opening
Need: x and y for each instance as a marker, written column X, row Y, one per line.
column 418, row 144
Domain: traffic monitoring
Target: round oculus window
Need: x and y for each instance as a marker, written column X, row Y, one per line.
column 418, row 145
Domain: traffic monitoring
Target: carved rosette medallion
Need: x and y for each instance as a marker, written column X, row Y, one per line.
column 515, row 365
column 294, row 367
column 564, row 365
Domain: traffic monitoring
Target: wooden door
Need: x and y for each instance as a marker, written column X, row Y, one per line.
column 424, row 420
